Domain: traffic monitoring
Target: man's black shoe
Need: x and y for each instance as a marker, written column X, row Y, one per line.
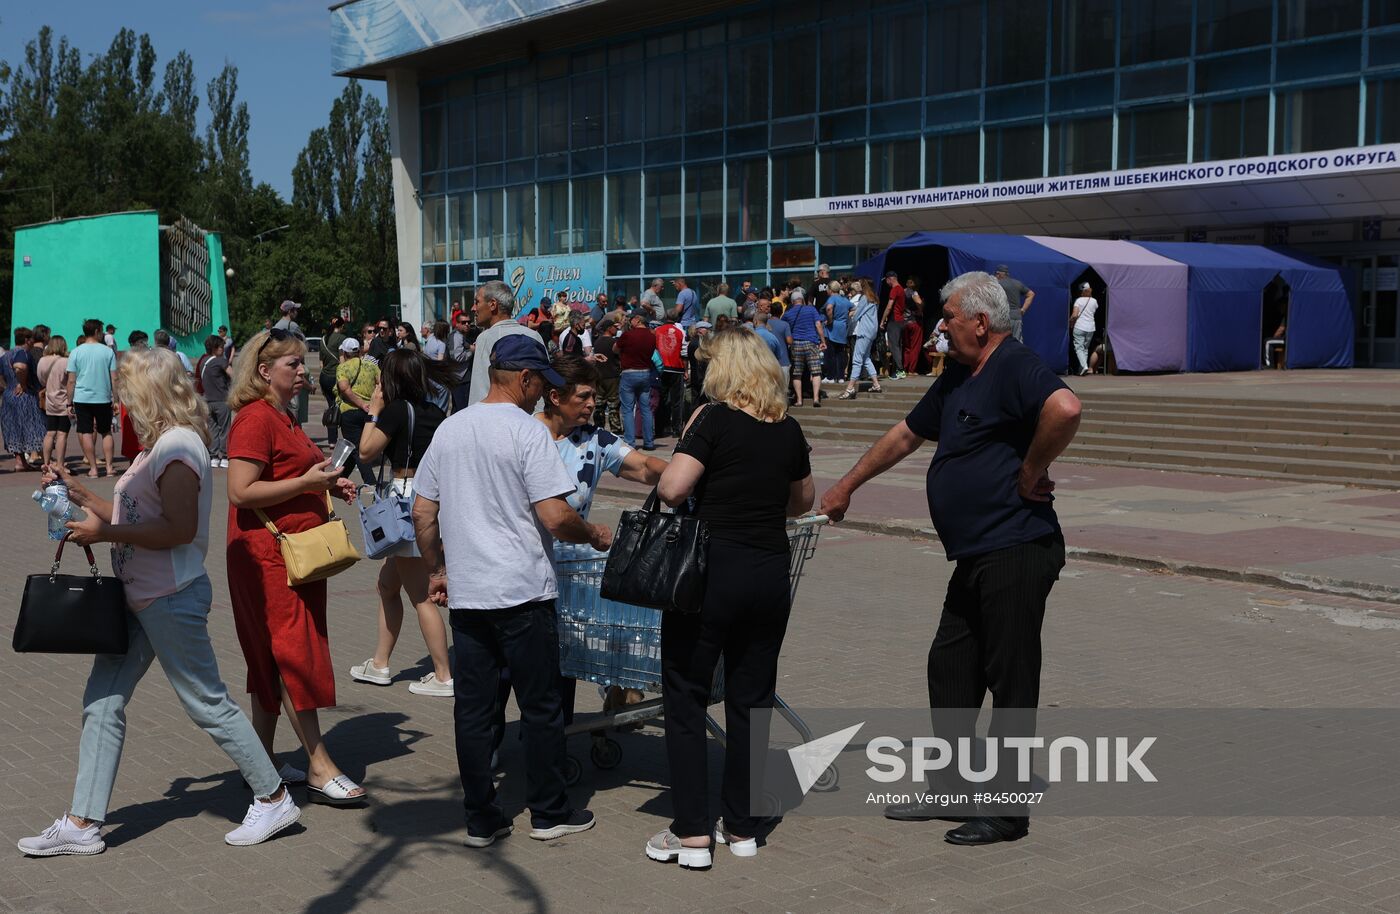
column 920, row 812
column 988, row 830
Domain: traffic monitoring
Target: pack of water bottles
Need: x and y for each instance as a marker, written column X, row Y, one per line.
column 603, row 641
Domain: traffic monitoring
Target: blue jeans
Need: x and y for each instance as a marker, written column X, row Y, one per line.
column 860, row 361
column 175, row 629
column 634, row 387
column 525, row 640
column 1081, row 347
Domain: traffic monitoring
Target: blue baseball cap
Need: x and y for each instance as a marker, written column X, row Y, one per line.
column 519, row 352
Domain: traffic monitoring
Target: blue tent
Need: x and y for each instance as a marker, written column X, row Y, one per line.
column 1321, row 332
column 1224, row 307
column 1047, row 273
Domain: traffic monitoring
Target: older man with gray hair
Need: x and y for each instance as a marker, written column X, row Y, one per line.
column 494, row 307
column 1000, row 418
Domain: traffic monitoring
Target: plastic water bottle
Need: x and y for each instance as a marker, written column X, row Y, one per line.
column 53, row 501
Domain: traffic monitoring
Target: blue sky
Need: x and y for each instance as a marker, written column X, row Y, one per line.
column 281, row 48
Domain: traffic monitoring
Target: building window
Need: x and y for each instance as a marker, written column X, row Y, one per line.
column 490, row 224
column 843, row 171
column 664, row 83
column 520, row 123
column 794, row 178
column 1151, row 136
column 1309, row 18
column 554, row 116
column 705, row 211
column 1015, row 41
column 1081, row 146
column 432, row 139
column 1083, row 36
column 625, row 106
column 459, row 133
column 954, row 48
column 520, row 221
column 1385, row 12
column 490, row 128
column 748, row 200
column 554, row 218
column 897, row 57
column 663, row 208
column 794, row 74
column 1225, row 25
column 1311, row 119
column 843, row 63
column 588, row 214
column 624, row 211
column 1233, row 129
column 748, row 83
column 704, row 91
column 586, row 120
column 953, row 159
column 461, row 243
column 434, row 229
column 1155, row 30
column 894, row 166
column 1016, row 152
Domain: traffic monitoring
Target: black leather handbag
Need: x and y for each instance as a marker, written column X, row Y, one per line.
column 72, row 614
column 658, row 560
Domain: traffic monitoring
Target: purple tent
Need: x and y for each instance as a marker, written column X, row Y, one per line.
column 1146, row 304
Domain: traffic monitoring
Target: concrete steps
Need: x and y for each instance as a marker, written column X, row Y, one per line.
column 1348, row 443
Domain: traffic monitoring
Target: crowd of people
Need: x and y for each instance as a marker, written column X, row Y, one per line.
column 496, row 429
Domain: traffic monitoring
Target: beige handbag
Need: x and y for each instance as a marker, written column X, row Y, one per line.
column 315, row 554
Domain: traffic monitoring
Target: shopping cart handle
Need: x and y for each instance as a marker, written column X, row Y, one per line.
column 811, row 520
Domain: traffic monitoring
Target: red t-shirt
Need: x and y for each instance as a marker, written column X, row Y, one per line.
column 670, row 339
column 634, row 349
column 897, row 299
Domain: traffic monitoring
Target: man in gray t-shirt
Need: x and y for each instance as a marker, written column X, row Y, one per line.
column 289, row 320
column 1018, row 296
column 651, row 300
column 493, row 307
column 490, row 497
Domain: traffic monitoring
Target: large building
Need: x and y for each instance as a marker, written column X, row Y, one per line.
column 592, row 144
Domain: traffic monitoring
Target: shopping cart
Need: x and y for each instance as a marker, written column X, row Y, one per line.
column 618, row 644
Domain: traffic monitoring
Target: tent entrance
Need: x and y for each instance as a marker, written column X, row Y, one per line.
column 1100, row 351
column 1273, row 318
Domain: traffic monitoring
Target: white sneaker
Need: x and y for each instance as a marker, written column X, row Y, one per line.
column 223, row 463
column 214, row 463
column 63, row 837
column 264, row 820
column 368, row 672
column 431, row 685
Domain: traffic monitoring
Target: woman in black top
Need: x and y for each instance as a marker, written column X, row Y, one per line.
column 744, row 461
column 406, row 377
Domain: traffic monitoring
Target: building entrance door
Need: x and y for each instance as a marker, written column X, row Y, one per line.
column 1375, row 310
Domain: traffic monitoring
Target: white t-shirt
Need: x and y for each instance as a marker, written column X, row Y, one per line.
column 148, row 574
column 1086, row 307
column 486, row 468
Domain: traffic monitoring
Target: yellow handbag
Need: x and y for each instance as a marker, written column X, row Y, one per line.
column 315, row 554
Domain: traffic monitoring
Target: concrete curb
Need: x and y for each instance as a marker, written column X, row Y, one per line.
column 1284, row 580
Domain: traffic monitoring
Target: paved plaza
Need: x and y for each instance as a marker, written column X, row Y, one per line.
column 1114, row 637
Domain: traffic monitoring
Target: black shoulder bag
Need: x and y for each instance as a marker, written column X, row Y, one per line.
column 71, row 614
column 658, row 560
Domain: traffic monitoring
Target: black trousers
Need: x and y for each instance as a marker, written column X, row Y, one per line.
column 328, row 391
column 352, row 425
column 988, row 640
column 743, row 620
column 670, row 418
column 525, row 640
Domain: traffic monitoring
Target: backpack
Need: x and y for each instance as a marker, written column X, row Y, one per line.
column 199, row 373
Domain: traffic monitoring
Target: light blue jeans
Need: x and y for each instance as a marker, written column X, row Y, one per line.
column 1081, row 347
column 860, row 361
column 175, row 629
column 635, row 387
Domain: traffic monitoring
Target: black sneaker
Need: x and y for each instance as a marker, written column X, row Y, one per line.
column 579, row 820
column 486, row 840
column 920, row 812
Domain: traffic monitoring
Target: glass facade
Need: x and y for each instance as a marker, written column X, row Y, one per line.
column 673, row 151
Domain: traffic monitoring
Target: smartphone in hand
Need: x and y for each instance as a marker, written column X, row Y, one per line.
column 341, row 457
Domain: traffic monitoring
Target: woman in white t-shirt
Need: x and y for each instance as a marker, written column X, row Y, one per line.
column 1082, row 325
column 158, row 525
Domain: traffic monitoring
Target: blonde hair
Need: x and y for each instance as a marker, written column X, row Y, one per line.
column 248, row 386
column 57, row 346
column 743, row 373
column 159, row 396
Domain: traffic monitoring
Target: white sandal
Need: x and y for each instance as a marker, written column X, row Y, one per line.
column 739, row 847
column 665, row 847
column 336, row 792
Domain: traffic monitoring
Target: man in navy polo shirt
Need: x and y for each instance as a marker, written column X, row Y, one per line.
column 1000, row 418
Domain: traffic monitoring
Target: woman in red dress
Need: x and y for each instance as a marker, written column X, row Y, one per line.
column 912, row 338
column 274, row 466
